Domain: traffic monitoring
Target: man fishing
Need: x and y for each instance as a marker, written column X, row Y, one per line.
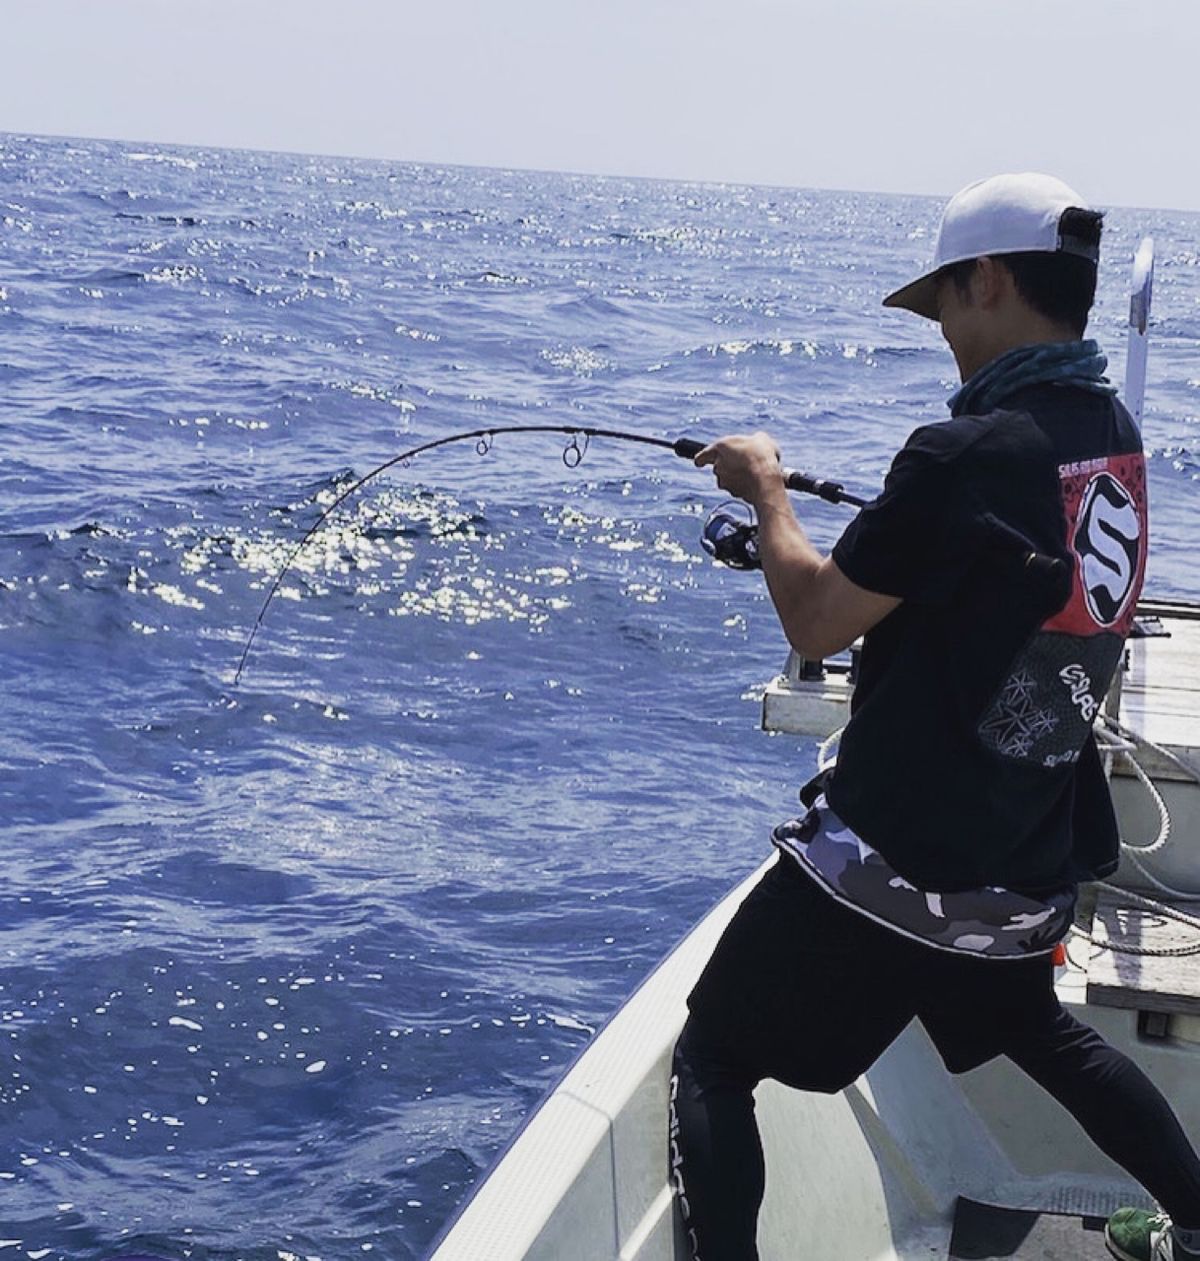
column 994, row 580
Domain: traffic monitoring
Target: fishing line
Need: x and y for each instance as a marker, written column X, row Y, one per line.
column 572, row 456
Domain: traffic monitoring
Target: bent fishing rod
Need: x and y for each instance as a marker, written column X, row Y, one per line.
column 572, row 457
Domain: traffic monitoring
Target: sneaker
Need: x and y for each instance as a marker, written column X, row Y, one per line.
column 1133, row 1234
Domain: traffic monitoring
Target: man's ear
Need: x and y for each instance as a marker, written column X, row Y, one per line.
column 991, row 283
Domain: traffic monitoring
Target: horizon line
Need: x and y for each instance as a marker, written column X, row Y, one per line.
column 519, row 169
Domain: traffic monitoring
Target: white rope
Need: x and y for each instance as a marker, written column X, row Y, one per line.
column 824, row 759
column 1160, row 908
column 1127, row 743
column 1138, row 852
column 1109, row 744
column 1164, row 815
column 1187, row 767
column 1168, row 912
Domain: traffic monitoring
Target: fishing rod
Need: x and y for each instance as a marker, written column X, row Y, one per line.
column 728, row 536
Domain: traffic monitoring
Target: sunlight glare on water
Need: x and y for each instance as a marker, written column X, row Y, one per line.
column 285, row 964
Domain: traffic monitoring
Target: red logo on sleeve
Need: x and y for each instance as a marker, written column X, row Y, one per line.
column 1104, row 507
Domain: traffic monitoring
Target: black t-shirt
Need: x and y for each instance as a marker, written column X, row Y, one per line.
column 969, row 759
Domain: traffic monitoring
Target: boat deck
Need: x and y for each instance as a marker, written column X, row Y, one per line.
column 987, row 1232
column 1162, row 983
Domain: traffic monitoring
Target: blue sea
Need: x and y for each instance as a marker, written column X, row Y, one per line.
column 284, row 964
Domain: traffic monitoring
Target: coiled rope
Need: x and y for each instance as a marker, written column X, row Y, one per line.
column 1118, row 741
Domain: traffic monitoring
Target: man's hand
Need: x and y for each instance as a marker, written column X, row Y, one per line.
column 820, row 609
column 746, row 465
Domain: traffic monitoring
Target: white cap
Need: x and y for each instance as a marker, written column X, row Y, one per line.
column 1007, row 214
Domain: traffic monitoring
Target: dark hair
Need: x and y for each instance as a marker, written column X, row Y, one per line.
column 1060, row 286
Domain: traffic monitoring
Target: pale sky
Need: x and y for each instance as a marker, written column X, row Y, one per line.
column 884, row 95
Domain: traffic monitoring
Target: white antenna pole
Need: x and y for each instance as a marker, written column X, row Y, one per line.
column 1139, row 322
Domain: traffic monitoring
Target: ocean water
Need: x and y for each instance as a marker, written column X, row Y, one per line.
column 283, row 964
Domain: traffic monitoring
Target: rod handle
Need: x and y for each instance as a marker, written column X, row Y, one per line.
column 832, row 492
column 1048, row 570
column 1045, row 568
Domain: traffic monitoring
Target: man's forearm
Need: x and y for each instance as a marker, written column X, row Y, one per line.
column 820, row 609
column 792, row 567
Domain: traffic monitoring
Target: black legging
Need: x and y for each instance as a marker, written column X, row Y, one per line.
column 717, row 1159
column 1120, row 1109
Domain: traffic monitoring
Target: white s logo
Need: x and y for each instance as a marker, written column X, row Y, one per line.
column 1107, row 542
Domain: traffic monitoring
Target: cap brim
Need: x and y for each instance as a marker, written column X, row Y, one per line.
column 919, row 296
